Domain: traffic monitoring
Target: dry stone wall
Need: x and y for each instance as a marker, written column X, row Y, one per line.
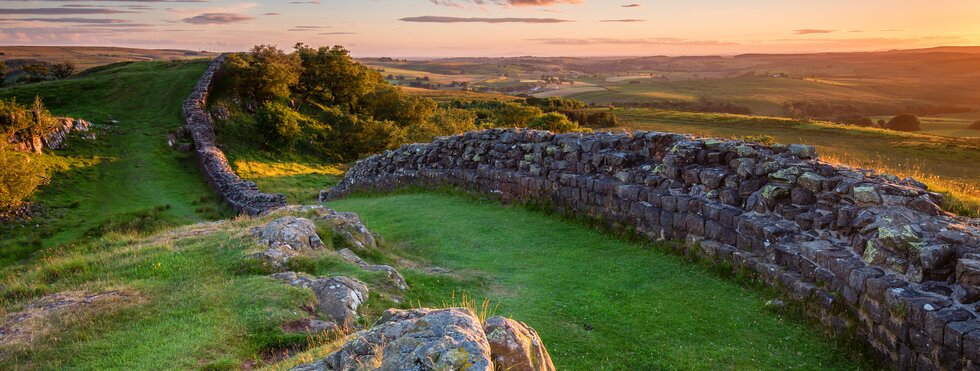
column 868, row 254
column 242, row 195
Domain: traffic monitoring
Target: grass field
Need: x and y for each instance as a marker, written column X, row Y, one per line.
column 86, row 57
column 128, row 177
column 599, row 302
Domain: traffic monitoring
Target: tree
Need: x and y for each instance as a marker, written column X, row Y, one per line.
column 64, row 69
column 351, row 137
column 389, row 103
column 263, row 73
column 331, row 77
column 553, row 122
column 19, row 178
column 36, row 72
column 278, row 125
column 904, row 122
column 3, row 72
column 516, row 115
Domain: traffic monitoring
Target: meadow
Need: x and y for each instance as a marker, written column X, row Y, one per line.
column 127, row 178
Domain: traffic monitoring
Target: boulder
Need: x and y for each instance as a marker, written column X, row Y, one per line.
column 516, row 346
column 286, row 237
column 417, row 339
column 968, row 275
column 337, row 297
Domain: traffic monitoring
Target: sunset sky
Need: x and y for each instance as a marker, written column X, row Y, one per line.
column 439, row 28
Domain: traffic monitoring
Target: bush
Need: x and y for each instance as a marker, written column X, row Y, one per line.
column 278, row 126
column 19, row 178
column 904, row 122
column 553, row 122
column 856, row 120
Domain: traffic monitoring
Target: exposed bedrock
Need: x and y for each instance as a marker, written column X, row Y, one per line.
column 864, row 251
column 240, row 194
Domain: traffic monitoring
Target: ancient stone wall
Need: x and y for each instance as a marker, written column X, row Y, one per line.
column 242, row 195
column 868, row 254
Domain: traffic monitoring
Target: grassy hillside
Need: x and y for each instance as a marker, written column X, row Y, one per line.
column 90, row 56
column 127, row 178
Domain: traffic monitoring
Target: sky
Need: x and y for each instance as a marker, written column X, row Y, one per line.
column 474, row 28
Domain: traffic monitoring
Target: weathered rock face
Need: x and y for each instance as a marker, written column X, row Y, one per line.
column 337, row 297
column 393, row 275
column 242, row 195
column 64, row 126
column 418, row 339
column 833, row 236
column 286, row 237
column 516, row 346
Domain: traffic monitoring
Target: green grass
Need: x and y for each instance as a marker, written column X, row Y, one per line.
column 598, row 302
column 128, row 169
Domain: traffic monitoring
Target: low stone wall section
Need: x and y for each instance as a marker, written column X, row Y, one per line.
column 869, row 255
column 240, row 194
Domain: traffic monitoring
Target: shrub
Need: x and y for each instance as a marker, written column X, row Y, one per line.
column 277, row 125
column 36, row 72
column 553, row 122
column 904, row 122
column 63, row 70
column 19, row 178
column 761, row 139
column 856, row 120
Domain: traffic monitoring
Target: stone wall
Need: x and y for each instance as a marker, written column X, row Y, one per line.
column 242, row 195
column 868, row 254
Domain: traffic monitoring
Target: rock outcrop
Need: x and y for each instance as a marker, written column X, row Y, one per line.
column 864, row 251
column 393, row 275
column 420, row 339
column 244, row 196
column 516, row 346
column 337, row 297
column 54, row 139
column 285, row 238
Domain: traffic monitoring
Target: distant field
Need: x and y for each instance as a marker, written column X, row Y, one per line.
column 91, row 56
column 950, row 125
column 449, row 95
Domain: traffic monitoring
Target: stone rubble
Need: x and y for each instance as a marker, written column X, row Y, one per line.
column 868, row 253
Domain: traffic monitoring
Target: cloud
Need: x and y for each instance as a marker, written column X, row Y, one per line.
column 217, row 18
column 60, row 11
column 308, row 28
column 337, row 33
column 273, row 13
column 119, row 1
column 458, row 3
column 634, row 5
column 623, row 20
column 70, row 20
column 641, row 41
column 810, row 31
column 437, row 19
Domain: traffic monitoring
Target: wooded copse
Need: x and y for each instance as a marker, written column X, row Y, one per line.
column 322, row 102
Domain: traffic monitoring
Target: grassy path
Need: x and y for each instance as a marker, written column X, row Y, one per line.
column 598, row 302
column 128, row 178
